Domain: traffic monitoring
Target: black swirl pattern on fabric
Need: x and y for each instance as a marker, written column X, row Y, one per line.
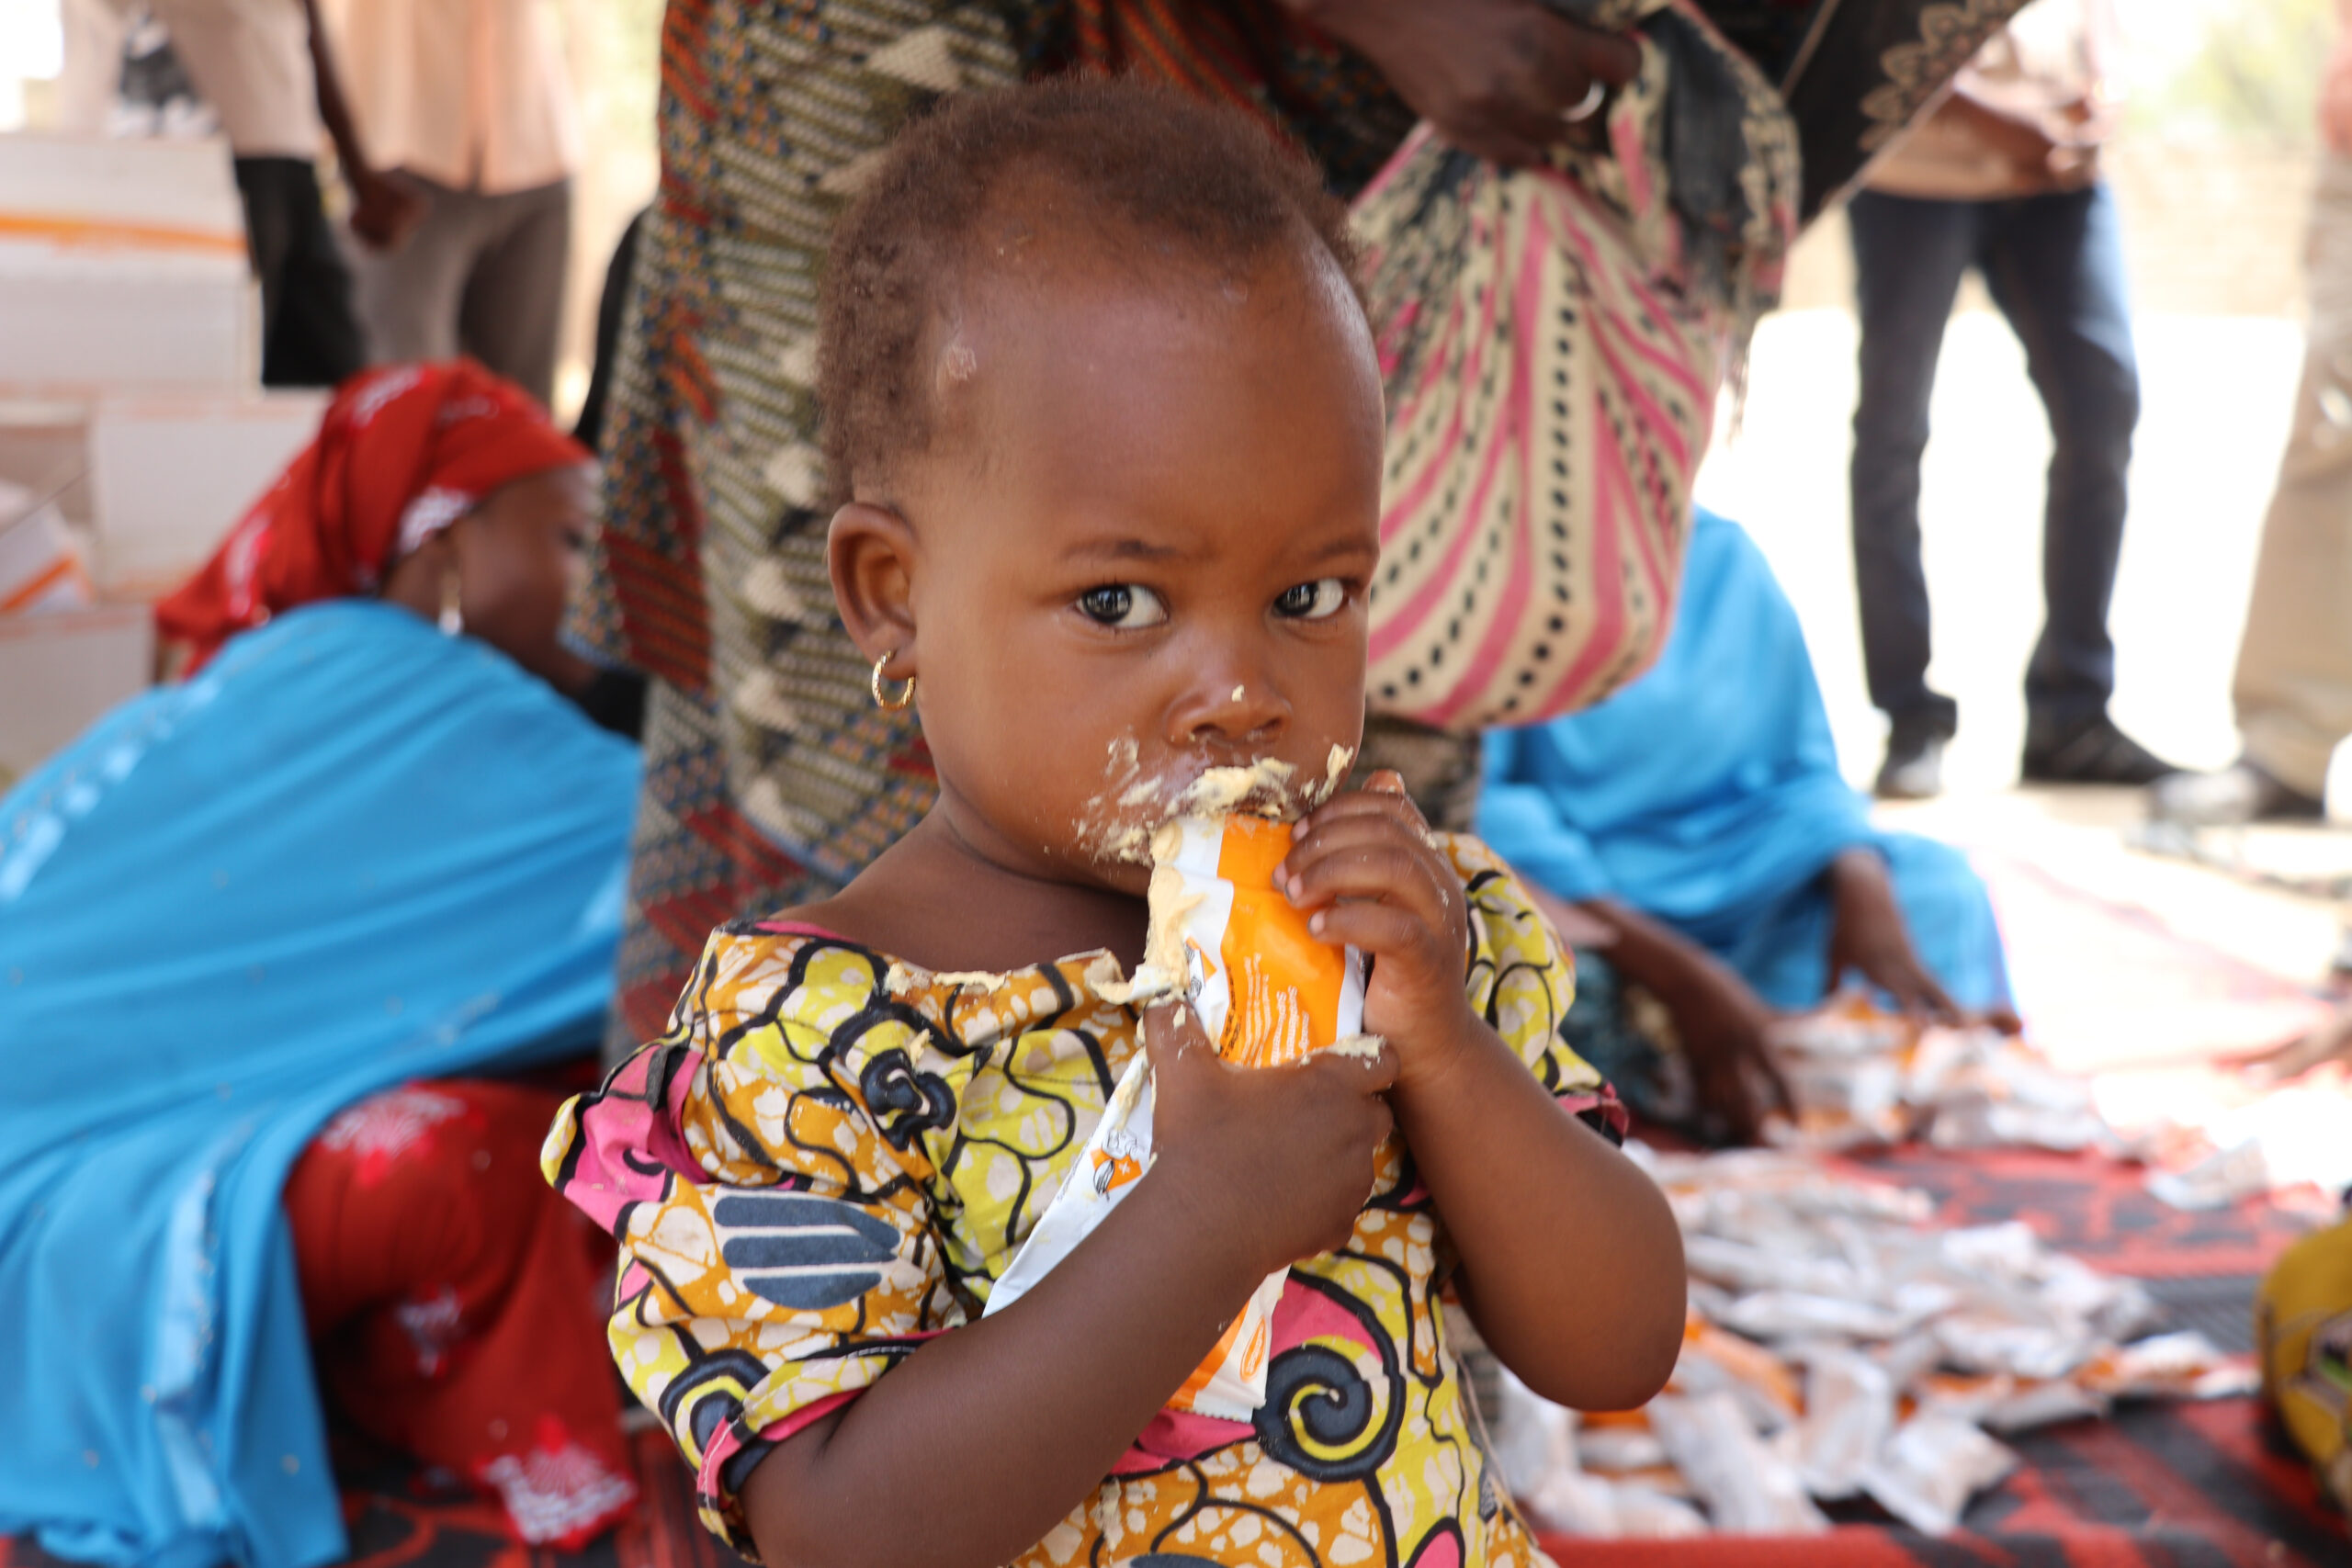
column 904, row 1103
column 1322, row 1416
column 711, row 1391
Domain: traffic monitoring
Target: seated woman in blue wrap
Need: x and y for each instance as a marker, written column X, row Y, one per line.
column 1693, row 837
column 264, row 932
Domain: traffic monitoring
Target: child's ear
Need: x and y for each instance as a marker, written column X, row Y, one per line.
column 870, row 552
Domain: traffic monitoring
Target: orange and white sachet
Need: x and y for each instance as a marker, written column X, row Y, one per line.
column 1268, row 992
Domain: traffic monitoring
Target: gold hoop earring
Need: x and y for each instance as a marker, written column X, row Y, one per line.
column 890, row 704
column 452, row 620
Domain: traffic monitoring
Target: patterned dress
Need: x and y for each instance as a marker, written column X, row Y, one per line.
column 831, row 1159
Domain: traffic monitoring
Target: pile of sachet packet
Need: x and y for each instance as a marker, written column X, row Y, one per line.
column 1838, row 1347
column 1862, row 1077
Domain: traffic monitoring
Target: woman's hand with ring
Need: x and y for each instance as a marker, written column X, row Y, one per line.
column 1496, row 78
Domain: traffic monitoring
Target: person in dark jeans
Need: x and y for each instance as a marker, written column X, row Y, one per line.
column 2001, row 178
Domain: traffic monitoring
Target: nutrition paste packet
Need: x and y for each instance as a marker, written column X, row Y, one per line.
column 1267, row 993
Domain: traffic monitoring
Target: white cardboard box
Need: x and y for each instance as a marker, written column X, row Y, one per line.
column 122, row 263
column 45, row 449
column 170, row 476
column 60, row 673
column 127, row 321
column 144, row 190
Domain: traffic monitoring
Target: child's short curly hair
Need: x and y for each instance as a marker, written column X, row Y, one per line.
column 1177, row 173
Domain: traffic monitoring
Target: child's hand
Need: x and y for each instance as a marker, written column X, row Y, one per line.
column 1278, row 1159
column 1366, row 865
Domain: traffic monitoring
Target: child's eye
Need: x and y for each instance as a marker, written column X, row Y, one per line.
column 1316, row 601
column 1128, row 606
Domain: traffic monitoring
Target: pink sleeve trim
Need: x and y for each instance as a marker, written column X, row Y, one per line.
column 1603, row 1100
column 797, row 928
column 728, row 1443
column 612, row 1122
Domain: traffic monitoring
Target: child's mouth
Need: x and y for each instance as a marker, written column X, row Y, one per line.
column 1261, row 788
column 1120, row 819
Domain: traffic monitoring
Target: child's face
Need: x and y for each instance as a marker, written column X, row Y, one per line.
column 1141, row 549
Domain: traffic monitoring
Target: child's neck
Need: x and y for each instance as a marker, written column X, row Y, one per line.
column 935, row 900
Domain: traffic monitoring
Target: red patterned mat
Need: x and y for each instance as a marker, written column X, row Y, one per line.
column 2159, row 1486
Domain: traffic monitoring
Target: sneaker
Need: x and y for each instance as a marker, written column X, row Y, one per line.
column 2090, row 752
column 1913, row 767
column 2243, row 791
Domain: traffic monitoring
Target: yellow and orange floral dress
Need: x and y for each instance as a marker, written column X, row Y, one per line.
column 830, row 1158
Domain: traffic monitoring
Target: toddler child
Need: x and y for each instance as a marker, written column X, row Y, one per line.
column 1106, row 414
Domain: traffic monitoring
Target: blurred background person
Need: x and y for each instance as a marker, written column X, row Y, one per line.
column 280, row 937
column 2003, row 177
column 1692, row 837
column 265, row 70
column 469, row 104
column 2294, row 690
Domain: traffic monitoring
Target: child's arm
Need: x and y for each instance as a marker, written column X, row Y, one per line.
column 1571, row 1261
column 975, row 1447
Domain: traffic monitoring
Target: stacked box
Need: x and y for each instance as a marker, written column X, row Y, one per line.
column 134, row 429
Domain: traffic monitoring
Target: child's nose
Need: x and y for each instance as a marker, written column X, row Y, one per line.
column 1230, row 707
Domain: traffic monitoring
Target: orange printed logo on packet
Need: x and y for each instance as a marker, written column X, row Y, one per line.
column 1286, row 983
column 1117, row 1164
column 1267, row 989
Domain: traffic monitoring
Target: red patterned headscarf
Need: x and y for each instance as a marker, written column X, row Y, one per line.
column 402, row 453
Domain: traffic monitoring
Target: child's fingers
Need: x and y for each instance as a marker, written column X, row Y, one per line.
column 1384, row 875
column 1354, row 833
column 1373, row 860
column 1382, row 931
column 1358, row 1073
column 1172, row 1032
column 1367, row 1079
column 1392, row 802
column 1383, row 825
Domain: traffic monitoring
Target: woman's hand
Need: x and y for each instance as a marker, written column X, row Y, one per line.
column 2330, row 1042
column 1867, row 936
column 1726, row 1031
column 1278, row 1160
column 1495, row 77
column 1723, row 1026
column 1375, row 880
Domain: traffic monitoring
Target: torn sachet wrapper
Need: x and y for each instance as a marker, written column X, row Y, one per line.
column 1267, row 993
